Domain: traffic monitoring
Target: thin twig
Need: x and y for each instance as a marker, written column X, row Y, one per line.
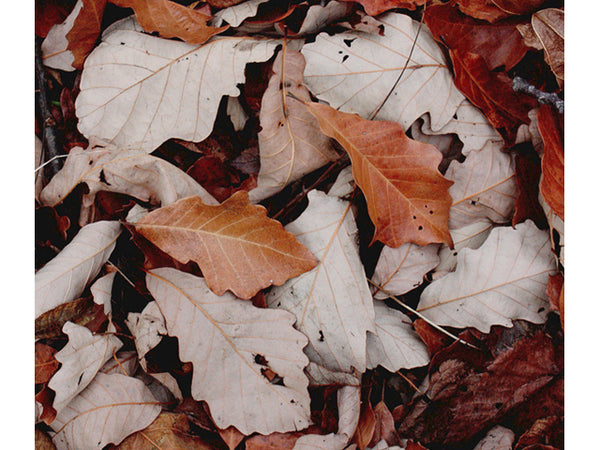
column 434, row 325
column 410, row 382
column 521, row 85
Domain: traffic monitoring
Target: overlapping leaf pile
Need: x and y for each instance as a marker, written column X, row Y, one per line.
column 301, row 225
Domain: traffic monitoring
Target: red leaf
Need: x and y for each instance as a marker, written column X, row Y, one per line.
column 434, row 339
column 384, row 426
column 494, row 10
column 376, row 7
column 49, row 13
column 550, row 125
column 556, row 294
column 548, row 430
column 214, row 176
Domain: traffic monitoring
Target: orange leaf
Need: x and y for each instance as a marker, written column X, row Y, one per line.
column 553, row 159
column 171, row 20
column 86, row 28
column 407, row 197
column 235, row 244
column 556, row 294
column 365, row 427
column 45, row 364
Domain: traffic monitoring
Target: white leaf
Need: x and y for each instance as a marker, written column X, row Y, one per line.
column 382, row 445
column 136, row 213
column 80, row 359
column 318, row 17
column 332, row 302
column 319, row 375
column 343, row 185
column 169, row 382
column 348, row 405
column 131, row 172
column 236, row 113
column 65, row 277
column 125, row 364
column 291, row 143
column 469, row 236
column 137, row 90
column 396, row 345
column 484, row 187
column 498, row 438
column 400, row 270
column 55, row 46
column 110, row 409
column 102, row 291
column 503, row 280
column 230, row 344
column 355, row 72
column 443, row 142
column 236, row 14
column 147, row 328
column 329, row 441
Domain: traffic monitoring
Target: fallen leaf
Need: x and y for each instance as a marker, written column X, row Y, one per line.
column 146, row 70
column 491, row 92
column 235, row 15
column 147, row 329
column 400, row 270
column 67, row 45
column 394, row 345
column 231, row 436
column 45, row 362
column 407, row 197
column 366, row 426
column 168, row 431
column 549, row 430
column 528, row 172
column 553, row 165
column 110, row 409
column 376, row 7
column 357, row 72
column 65, row 277
column 316, row 18
column 348, row 406
column 548, row 24
column 216, row 177
column 275, row 441
column 49, row 13
column 556, row 231
column 498, row 438
column 556, row 295
column 384, row 426
column 50, row 323
column 501, row 281
column 432, row 337
column 235, row 244
column 494, row 10
column 236, row 113
column 234, row 344
column 43, row 441
column 484, row 187
column 145, row 177
column 329, row 441
column 171, row 20
column 290, row 142
column 124, row 363
column 102, row 291
column 499, row 44
column 332, row 302
column 43, row 402
column 223, row 3
column 80, row 360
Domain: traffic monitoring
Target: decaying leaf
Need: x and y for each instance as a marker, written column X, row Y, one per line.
column 332, row 302
column 502, row 280
column 111, row 408
column 484, row 187
column 80, row 359
column 402, row 269
column 50, row 323
column 394, row 345
column 407, row 197
column 553, row 164
column 494, row 10
column 235, row 244
column 291, row 144
column 64, row 278
column 137, row 90
column 232, row 348
column 355, row 72
column 547, row 25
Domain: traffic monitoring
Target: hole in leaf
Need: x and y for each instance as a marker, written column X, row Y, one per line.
column 260, row 359
column 420, row 227
column 345, row 58
column 321, row 337
column 349, row 42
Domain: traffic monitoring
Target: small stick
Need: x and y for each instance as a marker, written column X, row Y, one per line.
column 521, row 85
column 434, row 325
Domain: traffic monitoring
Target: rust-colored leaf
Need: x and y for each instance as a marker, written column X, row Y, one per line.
column 49, row 13
column 278, row 441
column 45, row 397
column 494, row 10
column 171, row 20
column 544, row 434
column 407, row 197
column 556, row 294
column 215, row 176
column 553, row 163
column 499, row 44
column 223, row 3
column 434, row 339
column 492, row 93
column 528, row 171
column 235, row 244
column 376, row 7
column 231, row 436
column 45, row 364
column 384, row 426
column 366, row 426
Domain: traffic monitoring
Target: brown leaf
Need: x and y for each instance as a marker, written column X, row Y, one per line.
column 43, row 441
column 411, row 445
column 50, row 323
column 407, row 197
column 223, row 3
column 492, row 93
column 548, row 25
column 556, row 294
column 366, row 426
column 376, row 7
column 494, row 10
column 384, row 426
column 45, row 363
column 235, row 244
column 550, row 125
column 168, row 431
column 278, row 441
column 543, row 432
column 49, row 13
column 46, row 397
column 171, row 20
column 528, row 171
column 231, row 436
column 499, row 44
column 434, row 339
column 214, row 176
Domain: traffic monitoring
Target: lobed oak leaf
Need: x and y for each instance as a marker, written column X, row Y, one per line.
column 376, row 7
column 235, row 244
column 290, row 142
column 503, row 280
column 358, row 72
column 137, row 90
column 231, row 346
column 407, row 197
column 553, row 164
column 65, row 277
column 111, row 408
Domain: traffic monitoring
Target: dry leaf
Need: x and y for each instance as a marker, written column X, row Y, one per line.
column 110, row 409
column 102, row 291
column 67, row 45
column 50, row 323
column 291, row 144
column 154, row 89
column 329, row 441
column 131, row 172
column 235, row 15
column 365, row 427
column 400, row 270
column 65, row 277
column 147, row 329
column 384, row 426
column 45, row 363
column 234, row 344
column 503, row 280
column 43, row 441
column 124, row 363
column 235, row 244
column 556, row 294
column 407, row 197
column 484, row 187
column 498, row 438
column 376, row 7
column 553, row 164
column 80, row 359
column 236, row 113
column 355, row 72
column 556, row 231
column 318, row 17
column 171, row 20
column 548, row 25
column 332, row 302
column 494, row 10
column 395, row 345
